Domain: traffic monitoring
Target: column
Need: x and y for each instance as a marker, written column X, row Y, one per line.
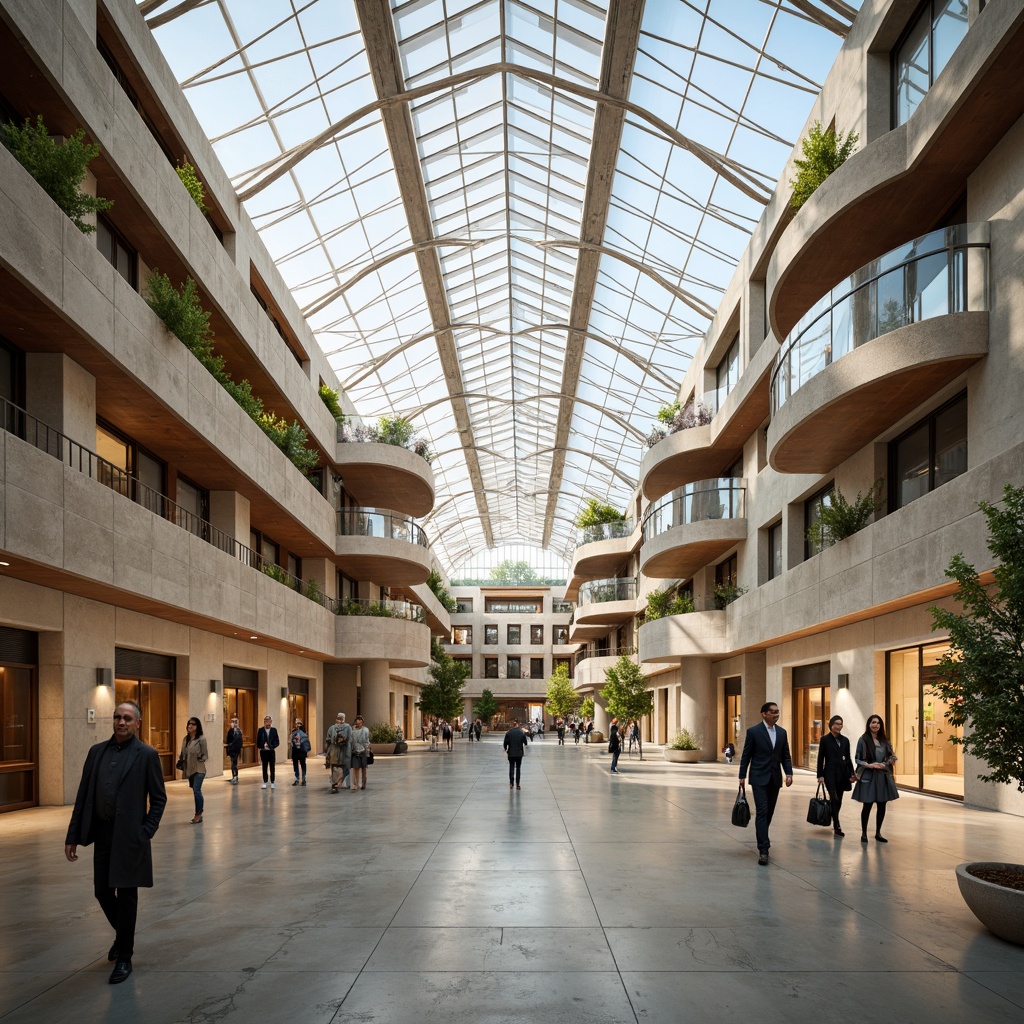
column 62, row 395
column 375, row 691
column 339, row 694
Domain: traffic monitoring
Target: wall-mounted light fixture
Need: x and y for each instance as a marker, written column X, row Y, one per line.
column 104, row 677
column 214, row 683
column 284, row 693
column 844, row 680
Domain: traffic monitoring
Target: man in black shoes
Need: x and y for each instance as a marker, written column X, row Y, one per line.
column 766, row 752
column 515, row 746
column 118, row 807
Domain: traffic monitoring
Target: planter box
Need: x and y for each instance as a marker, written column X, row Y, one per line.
column 682, row 756
column 386, row 749
column 999, row 909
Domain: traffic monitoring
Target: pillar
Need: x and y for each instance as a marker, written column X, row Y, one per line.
column 229, row 513
column 375, row 691
column 62, row 395
column 339, row 694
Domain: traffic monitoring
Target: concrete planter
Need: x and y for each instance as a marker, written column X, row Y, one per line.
column 999, row 909
column 682, row 756
column 387, row 749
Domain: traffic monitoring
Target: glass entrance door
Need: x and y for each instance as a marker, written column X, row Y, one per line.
column 240, row 703
column 18, row 760
column 809, row 722
column 155, row 698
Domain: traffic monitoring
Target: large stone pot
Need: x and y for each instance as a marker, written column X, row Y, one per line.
column 999, row 909
column 682, row 756
column 388, row 749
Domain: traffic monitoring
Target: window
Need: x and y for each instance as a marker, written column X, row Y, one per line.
column 490, row 634
column 490, row 668
column 536, row 668
column 503, row 606
column 560, row 634
column 193, row 506
column 464, row 604
column 267, row 551
column 462, row 635
column 812, row 513
column 513, row 668
column 929, row 41
column 536, row 635
column 775, row 550
column 930, row 454
column 562, row 607
column 726, row 573
column 727, row 373
column 121, row 256
column 514, row 636
column 811, row 697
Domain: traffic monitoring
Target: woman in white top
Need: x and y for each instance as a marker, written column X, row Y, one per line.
column 360, row 752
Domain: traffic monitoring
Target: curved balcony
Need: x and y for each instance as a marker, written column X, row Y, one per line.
column 591, row 666
column 601, row 550
column 606, row 602
column 383, row 546
column 386, row 475
column 876, row 346
column 692, row 527
column 673, row 637
column 680, row 458
column 375, row 630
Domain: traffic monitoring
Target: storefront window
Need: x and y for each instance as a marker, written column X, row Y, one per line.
column 18, row 753
column 155, row 700
column 811, row 699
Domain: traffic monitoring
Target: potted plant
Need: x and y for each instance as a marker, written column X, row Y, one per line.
column 981, row 680
column 684, row 748
column 386, row 739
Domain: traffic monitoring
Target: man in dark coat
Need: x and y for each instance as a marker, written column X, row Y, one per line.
column 267, row 742
column 118, row 807
column 233, row 745
column 765, row 751
column 515, row 745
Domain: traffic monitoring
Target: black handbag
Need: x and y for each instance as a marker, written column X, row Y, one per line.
column 369, row 756
column 741, row 810
column 819, row 811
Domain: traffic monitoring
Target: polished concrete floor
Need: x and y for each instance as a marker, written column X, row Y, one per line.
column 439, row 894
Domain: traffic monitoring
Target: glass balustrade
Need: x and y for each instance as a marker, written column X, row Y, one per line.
column 945, row 271
column 724, row 498
column 604, row 531
column 598, row 591
column 379, row 522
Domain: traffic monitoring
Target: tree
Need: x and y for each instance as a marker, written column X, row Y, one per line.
column 513, row 572
column 824, row 151
column 562, row 699
column 486, row 707
column 981, row 678
column 587, row 708
column 442, row 698
column 625, row 692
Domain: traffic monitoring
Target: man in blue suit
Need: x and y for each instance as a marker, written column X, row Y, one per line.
column 765, row 752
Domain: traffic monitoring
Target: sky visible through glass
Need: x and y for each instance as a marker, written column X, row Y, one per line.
column 424, row 175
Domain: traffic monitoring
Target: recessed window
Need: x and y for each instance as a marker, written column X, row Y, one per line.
column 462, row 634
column 536, row 668
column 930, row 454
column 775, row 550
column 536, row 635
column 727, row 373
column 924, row 50
column 514, row 636
column 560, row 634
column 812, row 513
column 490, row 668
column 513, row 668
column 121, row 256
column 490, row 634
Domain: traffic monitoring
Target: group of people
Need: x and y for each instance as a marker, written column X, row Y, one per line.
column 869, row 774
column 444, row 730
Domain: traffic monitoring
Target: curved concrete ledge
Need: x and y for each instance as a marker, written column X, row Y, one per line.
column 386, row 476
column 389, row 563
column 867, row 207
column 679, row 459
column 404, row 643
column 679, row 552
column 606, row 612
column 602, row 559
column 867, row 391
column 696, row 634
column 580, row 633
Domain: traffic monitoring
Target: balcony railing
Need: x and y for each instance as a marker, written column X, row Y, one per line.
column 380, row 522
column 724, row 498
column 604, row 531
column 563, row 607
column 945, row 271
column 378, row 609
column 598, row 591
column 604, row 652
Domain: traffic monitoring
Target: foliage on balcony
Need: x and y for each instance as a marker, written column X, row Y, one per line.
column 839, row 518
column 726, row 593
column 596, row 514
column 59, row 169
column 193, row 185
column 394, row 430
column 674, row 417
column 440, row 591
column 824, row 152
column 685, row 740
column 330, row 398
column 661, row 603
column 376, row 609
column 183, row 315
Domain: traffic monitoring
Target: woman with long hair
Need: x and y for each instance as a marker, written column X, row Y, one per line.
column 194, row 754
column 835, row 768
column 875, row 758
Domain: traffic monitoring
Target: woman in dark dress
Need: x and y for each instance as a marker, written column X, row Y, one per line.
column 835, row 768
column 876, row 785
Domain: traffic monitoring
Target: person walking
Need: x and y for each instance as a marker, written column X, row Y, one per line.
column 515, row 747
column 299, row 745
column 434, row 729
column 120, row 801
column 835, row 768
column 478, row 727
column 560, row 729
column 267, row 742
column 876, row 785
column 360, row 752
column 339, row 752
column 614, row 745
column 193, row 760
column 765, row 754
column 446, row 734
column 233, row 747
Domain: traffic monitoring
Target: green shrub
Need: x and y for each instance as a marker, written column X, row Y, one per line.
column 596, row 514
column 394, row 430
column 437, row 587
column 59, row 169
column 312, row 591
column 839, row 518
column 726, row 593
column 275, row 572
column 685, row 740
column 330, row 398
column 194, row 187
column 385, row 732
column 824, row 151
column 667, row 602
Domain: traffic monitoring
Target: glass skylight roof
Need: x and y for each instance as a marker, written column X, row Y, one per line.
column 420, row 170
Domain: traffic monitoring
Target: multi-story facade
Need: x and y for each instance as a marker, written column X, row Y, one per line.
column 874, row 335
column 155, row 544
column 511, row 638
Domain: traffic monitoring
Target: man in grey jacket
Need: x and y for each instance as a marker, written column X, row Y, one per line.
column 515, row 746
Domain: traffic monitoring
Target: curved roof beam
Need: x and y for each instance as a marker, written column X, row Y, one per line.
column 581, row 451
column 737, row 176
column 840, row 28
column 161, row 19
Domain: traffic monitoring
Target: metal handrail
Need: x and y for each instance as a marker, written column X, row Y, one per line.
column 724, row 498
column 378, row 609
column 599, row 591
column 380, row 522
column 612, row 652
